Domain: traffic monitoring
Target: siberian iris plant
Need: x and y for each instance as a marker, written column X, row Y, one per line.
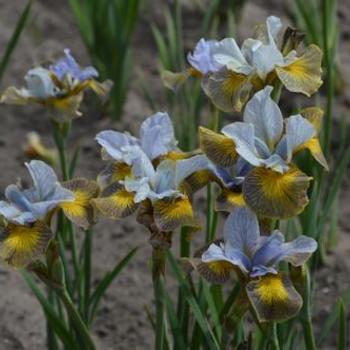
column 59, row 87
column 230, row 74
column 255, row 259
column 264, row 145
column 27, row 213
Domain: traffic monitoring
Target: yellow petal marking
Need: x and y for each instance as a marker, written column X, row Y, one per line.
column 271, row 289
column 304, row 74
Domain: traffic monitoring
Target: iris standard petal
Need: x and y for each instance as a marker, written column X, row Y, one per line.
column 141, row 165
column 298, row 132
column 44, row 178
column 113, row 141
column 202, row 59
column 157, row 135
column 236, row 258
column 274, row 298
column 68, row 65
column 241, row 231
column 139, row 187
column 265, row 115
column 227, row 53
column 40, row 84
column 304, row 73
column 243, row 136
column 186, row 167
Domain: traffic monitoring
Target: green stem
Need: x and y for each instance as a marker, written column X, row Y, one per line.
column 77, row 320
column 275, row 342
column 158, row 267
column 309, row 336
column 87, row 272
column 329, row 76
column 60, row 132
column 52, row 343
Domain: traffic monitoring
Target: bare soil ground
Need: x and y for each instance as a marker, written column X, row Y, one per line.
column 122, row 322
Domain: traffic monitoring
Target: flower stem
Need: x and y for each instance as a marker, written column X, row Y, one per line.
column 275, row 342
column 158, row 267
column 60, row 132
column 87, row 272
column 309, row 336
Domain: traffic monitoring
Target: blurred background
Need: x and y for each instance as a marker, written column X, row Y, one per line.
column 131, row 42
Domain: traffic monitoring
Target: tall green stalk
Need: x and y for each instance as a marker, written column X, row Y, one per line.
column 158, row 267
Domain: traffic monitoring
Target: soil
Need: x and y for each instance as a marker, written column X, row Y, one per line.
column 121, row 322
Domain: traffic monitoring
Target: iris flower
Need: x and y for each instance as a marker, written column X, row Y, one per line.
column 272, row 186
column 230, row 75
column 156, row 139
column 256, row 259
column 161, row 189
column 27, row 212
column 59, row 87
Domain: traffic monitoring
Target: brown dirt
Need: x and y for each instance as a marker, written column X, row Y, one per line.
column 121, row 322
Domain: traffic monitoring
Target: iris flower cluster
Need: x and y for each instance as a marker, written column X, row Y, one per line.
column 252, row 161
column 149, row 173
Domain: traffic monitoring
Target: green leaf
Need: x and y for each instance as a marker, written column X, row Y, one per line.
column 52, row 317
column 197, row 312
column 179, row 342
column 342, row 326
column 106, row 282
column 332, row 318
column 11, row 45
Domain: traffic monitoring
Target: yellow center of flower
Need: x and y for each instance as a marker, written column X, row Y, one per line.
column 22, row 239
column 123, row 199
column 271, row 289
column 77, row 207
column 175, row 210
column 274, row 184
column 235, row 198
column 120, row 171
column 232, row 83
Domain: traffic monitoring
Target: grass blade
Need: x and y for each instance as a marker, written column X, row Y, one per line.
column 332, row 318
column 11, row 45
column 50, row 314
column 197, row 312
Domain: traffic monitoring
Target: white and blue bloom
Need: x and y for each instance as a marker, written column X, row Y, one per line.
column 232, row 74
column 68, row 66
column 59, row 87
column 162, row 187
column 27, row 206
column 274, row 186
column 256, row 260
column 156, row 139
